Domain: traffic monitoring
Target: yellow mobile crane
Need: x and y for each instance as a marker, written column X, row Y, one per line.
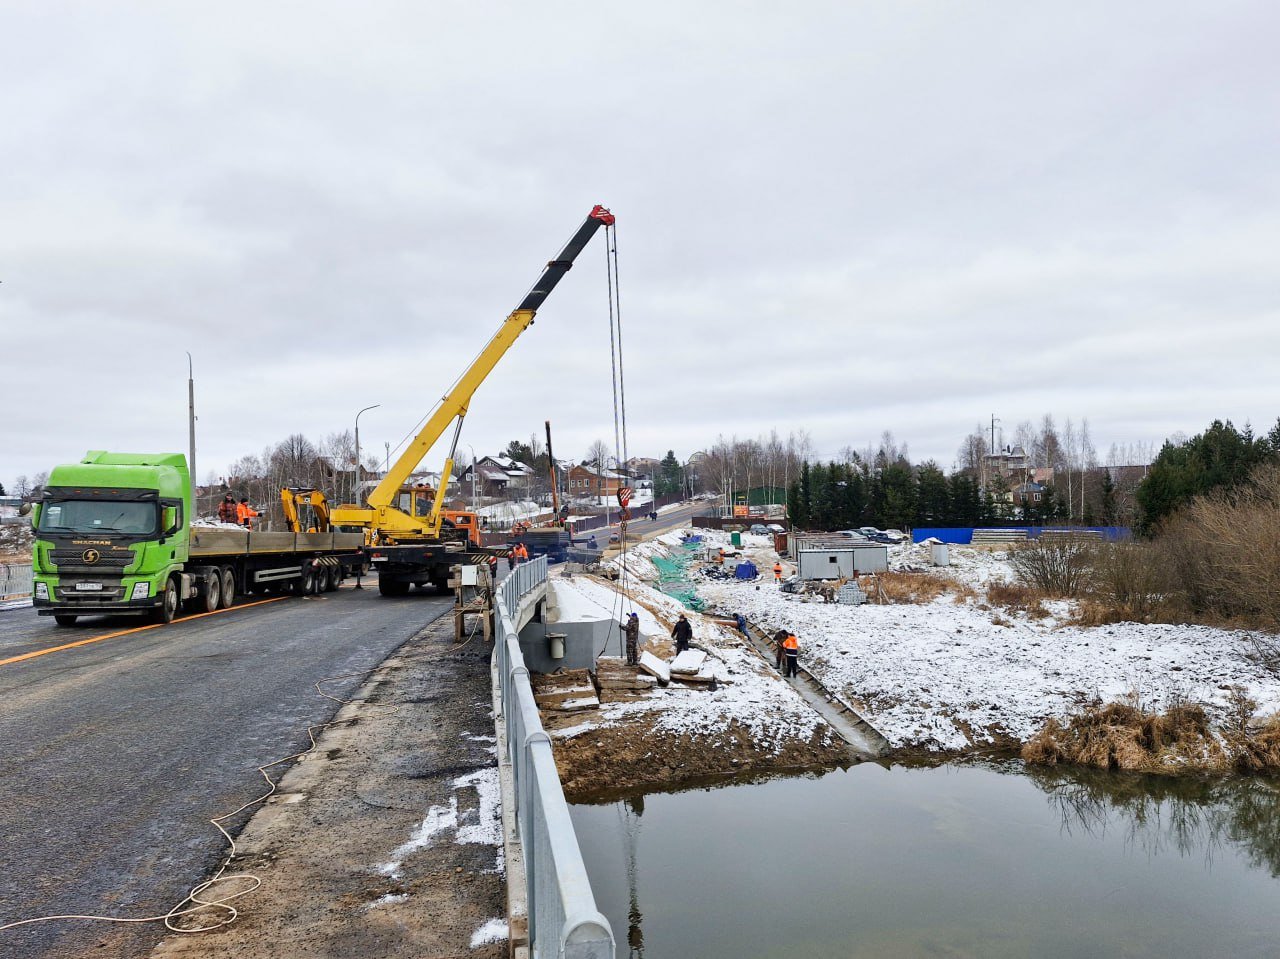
column 416, row 548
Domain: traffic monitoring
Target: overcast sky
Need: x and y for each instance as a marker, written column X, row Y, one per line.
column 842, row 217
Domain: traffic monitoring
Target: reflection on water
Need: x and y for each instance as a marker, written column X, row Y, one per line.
column 953, row 861
column 1160, row 815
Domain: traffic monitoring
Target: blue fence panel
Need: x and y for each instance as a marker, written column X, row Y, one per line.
column 963, row 535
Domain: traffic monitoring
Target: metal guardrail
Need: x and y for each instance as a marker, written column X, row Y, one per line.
column 563, row 919
column 15, row 581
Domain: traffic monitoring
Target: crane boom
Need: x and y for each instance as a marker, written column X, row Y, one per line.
column 381, row 516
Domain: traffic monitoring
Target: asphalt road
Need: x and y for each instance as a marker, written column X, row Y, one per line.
column 115, row 754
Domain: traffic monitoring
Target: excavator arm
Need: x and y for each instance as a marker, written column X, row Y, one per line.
column 291, row 497
column 381, row 515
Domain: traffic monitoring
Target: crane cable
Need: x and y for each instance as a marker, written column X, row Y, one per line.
column 622, row 599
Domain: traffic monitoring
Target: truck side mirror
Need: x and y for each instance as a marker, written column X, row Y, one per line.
column 170, row 520
column 33, row 509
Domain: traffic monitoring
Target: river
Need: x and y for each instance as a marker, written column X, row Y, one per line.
column 952, row 861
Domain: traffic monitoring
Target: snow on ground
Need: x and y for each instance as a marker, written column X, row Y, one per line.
column 481, row 824
column 511, row 512
column 927, row 672
column 750, row 695
column 495, row 930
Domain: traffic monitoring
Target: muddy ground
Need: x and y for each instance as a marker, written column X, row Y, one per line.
column 349, row 807
column 603, row 765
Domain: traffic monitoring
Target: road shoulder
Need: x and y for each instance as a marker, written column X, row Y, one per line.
column 385, row 839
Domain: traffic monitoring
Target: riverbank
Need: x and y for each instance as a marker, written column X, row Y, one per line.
column 959, row 663
column 748, row 722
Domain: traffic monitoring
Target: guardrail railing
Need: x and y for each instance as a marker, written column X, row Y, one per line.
column 563, row 919
column 15, row 581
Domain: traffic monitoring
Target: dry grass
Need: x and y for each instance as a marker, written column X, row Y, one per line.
column 912, row 588
column 1124, row 736
column 1258, row 752
column 1018, row 598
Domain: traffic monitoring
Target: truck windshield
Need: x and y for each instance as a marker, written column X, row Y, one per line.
column 98, row 516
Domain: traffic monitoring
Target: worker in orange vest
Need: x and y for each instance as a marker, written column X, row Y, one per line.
column 522, row 552
column 777, row 572
column 245, row 513
column 791, row 646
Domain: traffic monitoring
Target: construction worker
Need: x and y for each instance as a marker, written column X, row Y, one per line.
column 779, row 638
column 245, row 513
column 511, row 558
column 227, row 510
column 632, row 632
column 682, row 633
column 777, row 572
column 720, row 556
column 791, row 646
column 523, row 552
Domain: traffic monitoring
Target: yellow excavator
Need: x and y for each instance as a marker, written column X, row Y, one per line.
column 412, row 546
column 296, row 499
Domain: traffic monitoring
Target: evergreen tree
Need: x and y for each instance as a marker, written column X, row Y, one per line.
column 670, row 478
column 1109, row 506
column 933, row 507
column 899, row 496
column 797, row 512
column 1220, row 457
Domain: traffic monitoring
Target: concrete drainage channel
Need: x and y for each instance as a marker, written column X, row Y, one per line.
column 863, row 738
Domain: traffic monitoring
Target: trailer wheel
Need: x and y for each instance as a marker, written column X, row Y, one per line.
column 212, row 591
column 392, row 587
column 228, row 587
column 168, row 608
column 65, row 619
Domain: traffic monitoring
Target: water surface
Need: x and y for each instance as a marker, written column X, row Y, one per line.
column 944, row 862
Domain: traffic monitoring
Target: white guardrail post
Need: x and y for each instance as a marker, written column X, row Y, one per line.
column 564, row 922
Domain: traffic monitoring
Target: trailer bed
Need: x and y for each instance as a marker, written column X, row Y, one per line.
column 208, row 542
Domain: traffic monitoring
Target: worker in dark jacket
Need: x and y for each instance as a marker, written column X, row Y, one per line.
column 632, row 632
column 682, row 633
column 779, row 638
column 227, row 510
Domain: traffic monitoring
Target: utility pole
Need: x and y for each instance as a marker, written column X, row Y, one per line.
column 191, row 433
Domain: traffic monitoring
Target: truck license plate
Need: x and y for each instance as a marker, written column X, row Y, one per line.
column 89, row 587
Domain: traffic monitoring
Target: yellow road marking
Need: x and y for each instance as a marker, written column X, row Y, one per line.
column 136, row 629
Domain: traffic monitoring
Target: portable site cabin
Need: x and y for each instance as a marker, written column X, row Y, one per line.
column 834, row 562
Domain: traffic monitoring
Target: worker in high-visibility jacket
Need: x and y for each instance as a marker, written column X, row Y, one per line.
column 777, row 572
column 245, row 513
column 791, row 646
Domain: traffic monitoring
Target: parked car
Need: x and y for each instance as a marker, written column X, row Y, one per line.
column 758, row 529
column 774, row 528
column 895, row 535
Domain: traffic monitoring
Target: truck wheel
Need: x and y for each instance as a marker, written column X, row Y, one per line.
column 212, row 591
column 391, row 587
column 168, row 608
column 305, row 585
column 332, row 578
column 228, row 587
column 65, row 619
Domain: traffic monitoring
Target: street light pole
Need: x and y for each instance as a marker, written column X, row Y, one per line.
column 191, row 434
column 357, row 497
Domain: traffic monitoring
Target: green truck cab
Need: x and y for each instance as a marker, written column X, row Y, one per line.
column 114, row 535
column 110, row 531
